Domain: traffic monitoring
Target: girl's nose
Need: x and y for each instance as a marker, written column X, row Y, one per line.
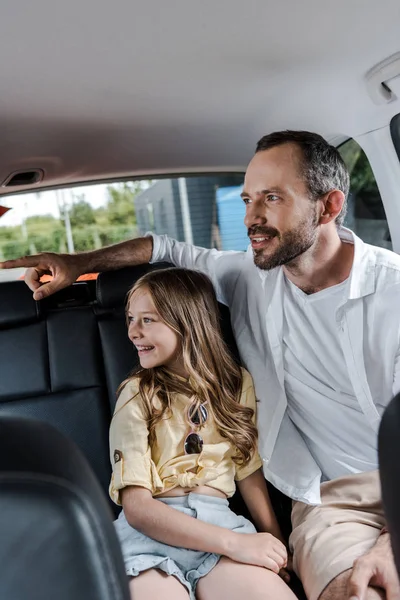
column 133, row 331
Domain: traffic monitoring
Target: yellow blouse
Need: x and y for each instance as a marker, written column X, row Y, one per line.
column 165, row 465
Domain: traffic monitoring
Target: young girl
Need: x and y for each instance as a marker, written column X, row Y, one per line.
column 182, row 433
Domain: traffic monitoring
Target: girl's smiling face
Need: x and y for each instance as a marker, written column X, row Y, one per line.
column 156, row 343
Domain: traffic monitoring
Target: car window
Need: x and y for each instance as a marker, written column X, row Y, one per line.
column 205, row 210
column 366, row 214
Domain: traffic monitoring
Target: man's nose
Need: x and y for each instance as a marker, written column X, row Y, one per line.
column 255, row 214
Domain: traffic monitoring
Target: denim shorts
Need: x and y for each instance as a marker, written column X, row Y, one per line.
column 142, row 552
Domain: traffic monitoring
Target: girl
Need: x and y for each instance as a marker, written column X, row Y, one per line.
column 182, row 433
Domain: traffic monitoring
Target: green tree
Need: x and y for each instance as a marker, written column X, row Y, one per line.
column 91, row 228
column 44, row 233
column 13, row 249
column 10, row 233
column 361, row 175
column 40, row 220
column 81, row 214
column 121, row 206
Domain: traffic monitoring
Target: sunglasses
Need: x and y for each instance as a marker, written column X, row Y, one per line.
column 196, row 417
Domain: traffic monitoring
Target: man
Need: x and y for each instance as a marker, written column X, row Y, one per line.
column 315, row 315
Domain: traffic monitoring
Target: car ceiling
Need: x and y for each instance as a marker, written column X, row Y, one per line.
column 93, row 89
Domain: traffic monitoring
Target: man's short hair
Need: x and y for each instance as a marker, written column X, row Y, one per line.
column 323, row 169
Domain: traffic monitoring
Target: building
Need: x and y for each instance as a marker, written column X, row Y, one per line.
column 185, row 208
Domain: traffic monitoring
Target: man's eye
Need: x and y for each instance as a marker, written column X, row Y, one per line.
column 246, row 200
column 272, row 197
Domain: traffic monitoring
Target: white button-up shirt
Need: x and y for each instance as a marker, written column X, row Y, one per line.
column 368, row 324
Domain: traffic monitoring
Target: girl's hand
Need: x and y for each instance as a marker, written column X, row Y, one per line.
column 260, row 549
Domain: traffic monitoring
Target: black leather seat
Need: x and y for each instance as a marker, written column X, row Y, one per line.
column 389, row 466
column 57, row 537
column 52, row 369
column 62, row 359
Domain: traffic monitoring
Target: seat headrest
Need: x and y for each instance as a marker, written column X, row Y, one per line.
column 112, row 286
column 77, row 294
column 44, row 451
column 17, row 304
column 50, row 499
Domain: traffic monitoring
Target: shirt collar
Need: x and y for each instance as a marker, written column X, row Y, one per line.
column 362, row 276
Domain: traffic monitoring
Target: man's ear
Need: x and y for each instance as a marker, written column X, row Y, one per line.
column 332, row 204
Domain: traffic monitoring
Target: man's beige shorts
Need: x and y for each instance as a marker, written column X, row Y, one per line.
column 328, row 538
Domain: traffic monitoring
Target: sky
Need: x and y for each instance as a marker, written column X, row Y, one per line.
column 27, row 205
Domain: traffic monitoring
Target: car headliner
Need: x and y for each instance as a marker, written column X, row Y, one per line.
column 93, row 89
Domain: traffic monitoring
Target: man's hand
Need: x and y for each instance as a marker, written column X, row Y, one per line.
column 376, row 569
column 66, row 268
column 63, row 268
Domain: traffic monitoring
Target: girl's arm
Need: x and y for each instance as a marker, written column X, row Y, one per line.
column 254, row 492
column 172, row 527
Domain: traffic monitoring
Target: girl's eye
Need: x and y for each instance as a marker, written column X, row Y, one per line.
column 147, row 320
column 130, row 319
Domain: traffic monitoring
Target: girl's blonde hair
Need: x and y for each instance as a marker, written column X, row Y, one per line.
column 185, row 301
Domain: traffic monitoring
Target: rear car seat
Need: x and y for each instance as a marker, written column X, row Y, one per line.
column 62, row 360
column 57, row 538
column 52, row 367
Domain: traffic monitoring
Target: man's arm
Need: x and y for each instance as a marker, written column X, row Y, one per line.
column 66, row 268
column 377, row 567
column 396, row 374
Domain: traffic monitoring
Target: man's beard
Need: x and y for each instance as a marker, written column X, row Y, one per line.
column 291, row 244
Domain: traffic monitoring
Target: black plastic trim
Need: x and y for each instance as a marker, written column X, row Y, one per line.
column 395, row 133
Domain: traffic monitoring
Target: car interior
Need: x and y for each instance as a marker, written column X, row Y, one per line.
column 120, row 118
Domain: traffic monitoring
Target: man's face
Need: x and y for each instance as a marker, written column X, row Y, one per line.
column 281, row 218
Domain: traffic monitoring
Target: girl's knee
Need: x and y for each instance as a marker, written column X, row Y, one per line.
column 238, row 581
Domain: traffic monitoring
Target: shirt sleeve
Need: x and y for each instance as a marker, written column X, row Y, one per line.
column 248, row 398
column 223, row 267
column 130, row 453
column 396, row 375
